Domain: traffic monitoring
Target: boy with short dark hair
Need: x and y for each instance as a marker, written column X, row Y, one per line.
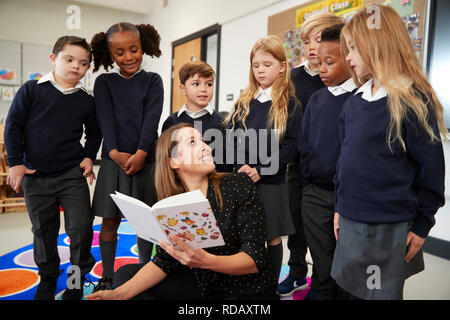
column 197, row 84
column 42, row 138
column 319, row 145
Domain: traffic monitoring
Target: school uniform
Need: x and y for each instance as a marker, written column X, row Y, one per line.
column 204, row 120
column 128, row 112
column 319, row 149
column 382, row 194
column 306, row 82
column 43, row 130
column 254, row 147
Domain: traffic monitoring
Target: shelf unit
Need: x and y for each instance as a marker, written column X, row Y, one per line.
column 10, row 201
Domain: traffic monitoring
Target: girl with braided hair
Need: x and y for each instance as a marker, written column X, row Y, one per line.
column 129, row 103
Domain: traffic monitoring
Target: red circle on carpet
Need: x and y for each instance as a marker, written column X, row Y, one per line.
column 97, row 271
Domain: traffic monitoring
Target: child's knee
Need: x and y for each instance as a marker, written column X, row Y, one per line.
column 109, row 228
column 274, row 242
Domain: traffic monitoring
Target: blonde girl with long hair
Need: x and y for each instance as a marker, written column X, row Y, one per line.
column 265, row 120
column 237, row 270
column 390, row 173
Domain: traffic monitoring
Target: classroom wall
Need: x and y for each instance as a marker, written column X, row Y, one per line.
column 43, row 21
column 185, row 17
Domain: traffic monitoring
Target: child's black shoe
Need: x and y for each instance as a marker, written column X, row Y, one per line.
column 103, row 284
column 46, row 289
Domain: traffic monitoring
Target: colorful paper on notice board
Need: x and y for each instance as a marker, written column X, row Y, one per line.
column 7, row 75
column 35, row 75
column 338, row 7
column 403, row 7
column 7, row 93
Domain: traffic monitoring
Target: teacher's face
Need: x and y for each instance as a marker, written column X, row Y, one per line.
column 191, row 155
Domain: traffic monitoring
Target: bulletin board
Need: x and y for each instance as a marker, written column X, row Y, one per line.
column 287, row 24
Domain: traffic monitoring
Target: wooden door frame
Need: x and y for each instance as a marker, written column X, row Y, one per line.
column 203, row 34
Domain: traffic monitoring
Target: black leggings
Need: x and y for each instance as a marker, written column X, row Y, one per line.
column 180, row 285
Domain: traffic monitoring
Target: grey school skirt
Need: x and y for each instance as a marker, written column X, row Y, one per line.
column 276, row 207
column 369, row 260
column 112, row 178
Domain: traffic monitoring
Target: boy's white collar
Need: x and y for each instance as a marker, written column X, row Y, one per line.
column 49, row 77
column 366, row 90
column 207, row 109
column 312, row 73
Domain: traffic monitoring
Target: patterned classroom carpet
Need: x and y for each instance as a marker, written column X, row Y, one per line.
column 19, row 274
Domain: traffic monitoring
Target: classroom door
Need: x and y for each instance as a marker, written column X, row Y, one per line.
column 183, row 53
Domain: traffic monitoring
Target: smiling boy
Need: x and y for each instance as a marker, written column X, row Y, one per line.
column 319, row 145
column 42, row 137
column 197, row 85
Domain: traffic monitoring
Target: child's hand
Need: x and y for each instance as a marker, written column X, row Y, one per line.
column 336, row 225
column 251, row 172
column 15, row 176
column 120, row 158
column 415, row 243
column 136, row 162
column 88, row 166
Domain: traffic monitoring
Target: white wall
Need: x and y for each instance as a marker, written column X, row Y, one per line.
column 43, row 21
column 441, row 229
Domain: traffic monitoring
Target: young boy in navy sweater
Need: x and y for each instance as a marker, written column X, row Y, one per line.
column 319, row 149
column 197, row 84
column 42, row 137
column 306, row 81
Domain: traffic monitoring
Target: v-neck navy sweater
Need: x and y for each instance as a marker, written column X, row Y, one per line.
column 128, row 112
column 305, row 85
column 375, row 185
column 256, row 148
column 44, row 128
column 319, row 140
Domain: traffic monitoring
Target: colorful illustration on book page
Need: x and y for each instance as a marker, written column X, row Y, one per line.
column 197, row 227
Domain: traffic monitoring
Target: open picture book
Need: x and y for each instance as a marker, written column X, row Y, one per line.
column 187, row 215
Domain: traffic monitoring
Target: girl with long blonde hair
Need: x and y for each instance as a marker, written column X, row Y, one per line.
column 390, row 173
column 237, row 270
column 266, row 115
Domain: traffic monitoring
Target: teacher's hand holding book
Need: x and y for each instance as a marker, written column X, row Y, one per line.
column 188, row 256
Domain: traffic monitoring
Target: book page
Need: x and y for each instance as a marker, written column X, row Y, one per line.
column 193, row 222
column 140, row 217
column 181, row 199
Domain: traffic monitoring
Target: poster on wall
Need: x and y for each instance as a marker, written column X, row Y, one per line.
column 7, row 75
column 343, row 8
column 35, row 75
column 7, row 93
column 287, row 24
